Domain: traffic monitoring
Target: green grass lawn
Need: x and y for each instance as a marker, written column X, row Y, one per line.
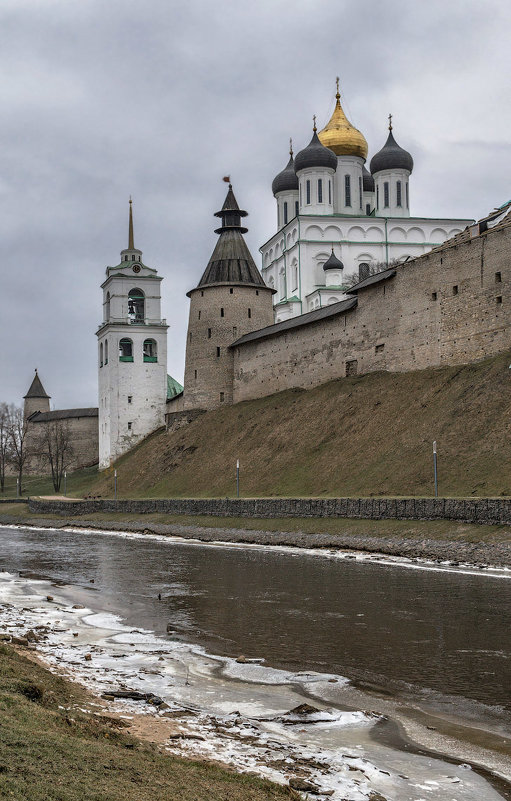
column 51, row 754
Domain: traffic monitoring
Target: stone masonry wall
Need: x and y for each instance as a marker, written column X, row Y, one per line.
column 451, row 306
column 219, row 314
column 83, row 432
column 485, row 510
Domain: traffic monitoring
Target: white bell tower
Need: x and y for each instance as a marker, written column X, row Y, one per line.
column 132, row 355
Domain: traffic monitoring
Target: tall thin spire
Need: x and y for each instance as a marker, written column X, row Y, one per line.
column 390, row 122
column 131, row 243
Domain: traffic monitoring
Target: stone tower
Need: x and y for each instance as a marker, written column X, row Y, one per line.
column 36, row 399
column 132, row 355
column 230, row 300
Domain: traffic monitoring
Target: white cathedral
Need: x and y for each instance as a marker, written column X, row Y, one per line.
column 335, row 218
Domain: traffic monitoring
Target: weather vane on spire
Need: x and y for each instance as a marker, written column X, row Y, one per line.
column 290, row 147
column 390, row 122
column 314, row 120
column 337, row 94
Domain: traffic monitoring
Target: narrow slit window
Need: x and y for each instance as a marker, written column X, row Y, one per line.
column 296, row 208
column 222, row 312
column 249, row 313
column 434, row 296
column 499, row 298
column 455, row 289
column 398, row 194
column 360, row 190
column 285, row 212
column 218, row 352
column 308, row 192
column 347, row 190
column 498, row 278
column 320, row 190
column 386, row 194
column 330, row 192
column 222, row 396
column 209, row 333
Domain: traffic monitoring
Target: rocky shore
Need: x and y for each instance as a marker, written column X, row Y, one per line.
column 480, row 554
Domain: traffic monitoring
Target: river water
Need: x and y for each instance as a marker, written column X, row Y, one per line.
column 438, row 636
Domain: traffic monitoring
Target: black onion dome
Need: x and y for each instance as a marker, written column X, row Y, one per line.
column 315, row 155
column 367, row 180
column 333, row 263
column 391, row 157
column 286, row 181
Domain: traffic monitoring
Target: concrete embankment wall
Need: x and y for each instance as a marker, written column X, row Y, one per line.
column 493, row 511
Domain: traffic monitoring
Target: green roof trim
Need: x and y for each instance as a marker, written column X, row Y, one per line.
column 173, row 387
column 292, row 299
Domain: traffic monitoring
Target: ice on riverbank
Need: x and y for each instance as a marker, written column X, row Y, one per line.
column 241, row 713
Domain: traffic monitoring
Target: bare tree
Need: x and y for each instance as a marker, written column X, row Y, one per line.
column 18, row 452
column 4, row 442
column 56, row 446
column 373, row 268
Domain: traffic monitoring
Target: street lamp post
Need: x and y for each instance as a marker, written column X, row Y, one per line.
column 435, row 468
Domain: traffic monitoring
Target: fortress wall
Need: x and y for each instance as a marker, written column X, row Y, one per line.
column 84, row 436
column 464, row 323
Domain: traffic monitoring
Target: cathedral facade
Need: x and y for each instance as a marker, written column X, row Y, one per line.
column 330, row 205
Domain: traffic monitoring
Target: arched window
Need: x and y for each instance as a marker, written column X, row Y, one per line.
column 136, row 306
column 125, row 350
column 150, row 350
column 106, row 351
column 107, row 307
column 101, row 355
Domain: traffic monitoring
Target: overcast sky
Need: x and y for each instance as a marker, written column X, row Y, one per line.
column 159, row 99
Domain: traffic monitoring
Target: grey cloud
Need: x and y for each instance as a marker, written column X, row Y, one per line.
column 161, row 99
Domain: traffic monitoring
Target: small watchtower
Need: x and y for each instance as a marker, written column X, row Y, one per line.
column 231, row 299
column 36, row 399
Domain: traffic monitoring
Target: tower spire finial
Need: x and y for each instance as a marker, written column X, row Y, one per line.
column 290, row 147
column 337, row 94
column 390, row 122
column 131, row 242
column 314, row 126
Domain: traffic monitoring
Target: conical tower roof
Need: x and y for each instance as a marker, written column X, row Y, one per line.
column 340, row 135
column 231, row 261
column 36, row 389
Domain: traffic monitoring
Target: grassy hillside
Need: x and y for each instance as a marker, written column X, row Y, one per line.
column 366, row 435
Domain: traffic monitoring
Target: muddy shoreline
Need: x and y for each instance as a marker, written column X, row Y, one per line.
column 479, row 554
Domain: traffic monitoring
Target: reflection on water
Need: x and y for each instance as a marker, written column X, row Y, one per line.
column 438, row 631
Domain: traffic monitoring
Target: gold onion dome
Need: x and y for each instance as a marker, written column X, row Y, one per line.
column 340, row 135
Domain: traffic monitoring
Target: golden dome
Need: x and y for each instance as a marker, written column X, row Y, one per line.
column 340, row 135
